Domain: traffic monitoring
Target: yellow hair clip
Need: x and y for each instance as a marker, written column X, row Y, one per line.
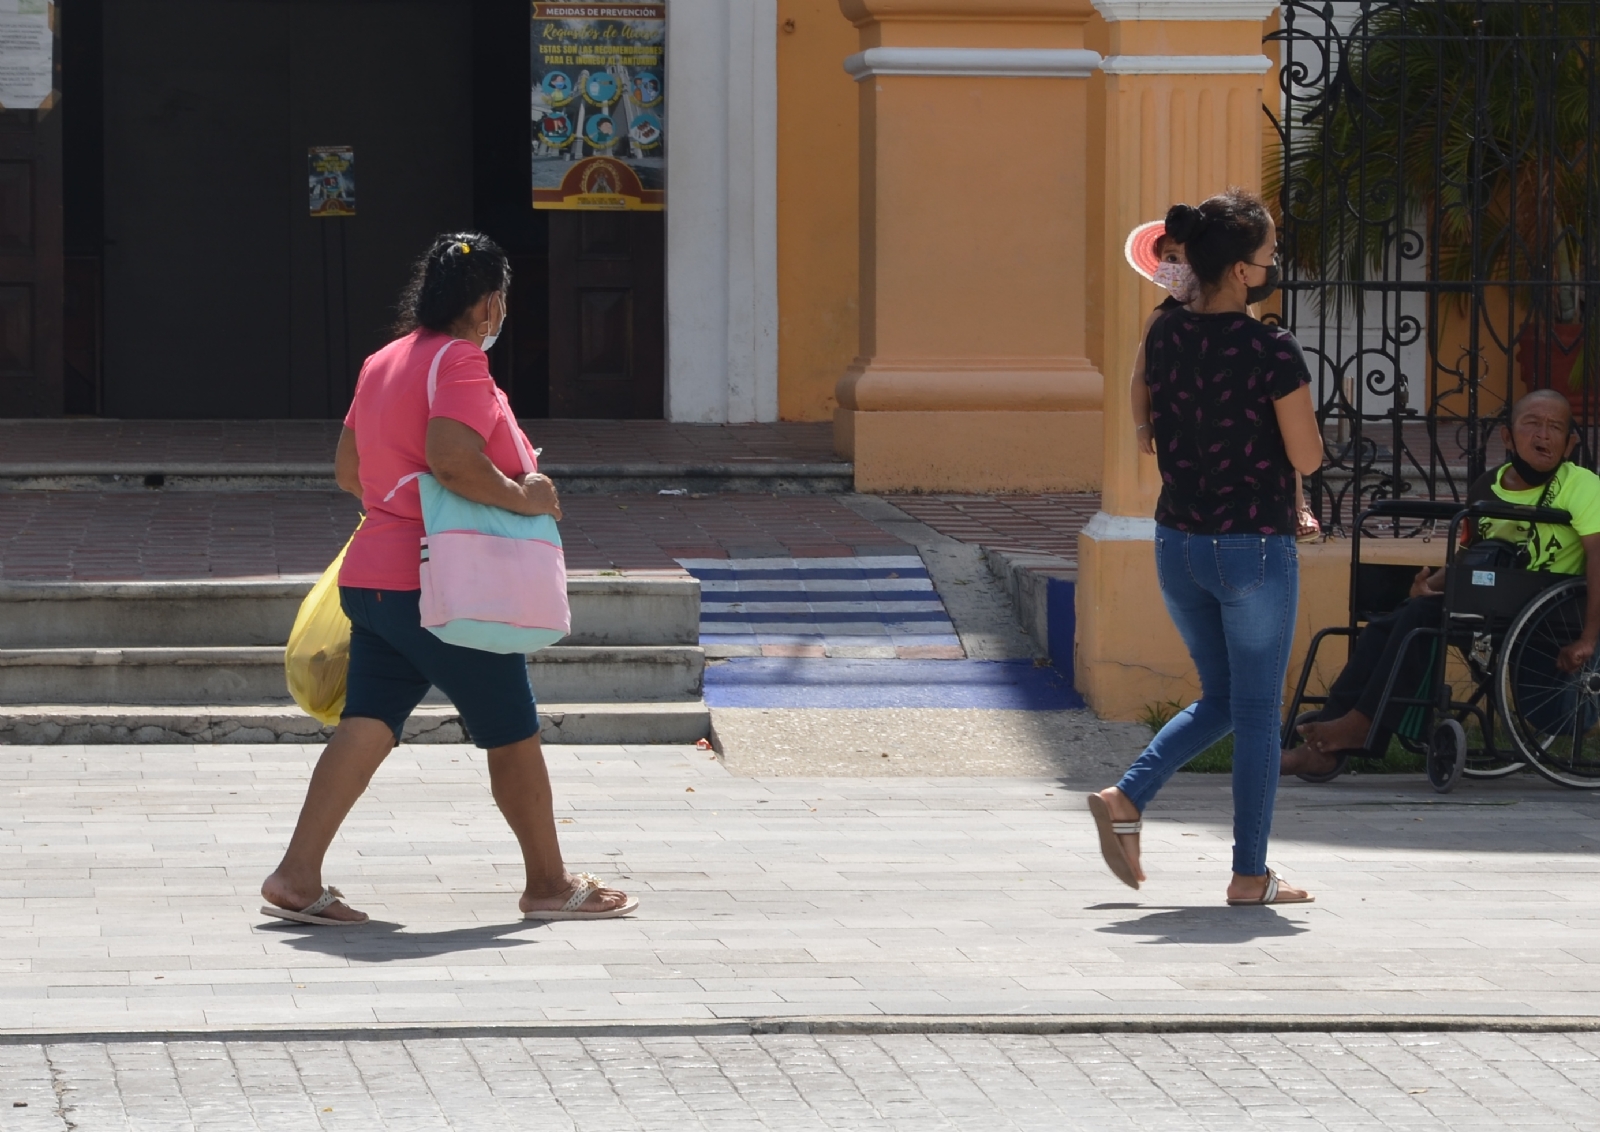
column 465, row 249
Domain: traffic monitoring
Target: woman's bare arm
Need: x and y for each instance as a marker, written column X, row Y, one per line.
column 456, row 458
column 347, row 464
column 1139, row 393
column 1302, row 436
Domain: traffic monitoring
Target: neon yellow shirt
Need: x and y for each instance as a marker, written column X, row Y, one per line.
column 1556, row 549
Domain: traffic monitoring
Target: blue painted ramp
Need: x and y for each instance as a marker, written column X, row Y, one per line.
column 778, row 682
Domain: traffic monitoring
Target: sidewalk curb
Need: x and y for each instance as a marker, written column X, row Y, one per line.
column 1042, row 1025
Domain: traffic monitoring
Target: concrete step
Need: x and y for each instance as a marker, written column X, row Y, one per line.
column 779, row 477
column 584, row 723
column 606, row 610
column 254, row 675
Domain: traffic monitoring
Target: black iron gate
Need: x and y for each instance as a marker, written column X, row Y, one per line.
column 1440, row 227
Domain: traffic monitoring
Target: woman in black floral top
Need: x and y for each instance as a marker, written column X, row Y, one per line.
column 1231, row 422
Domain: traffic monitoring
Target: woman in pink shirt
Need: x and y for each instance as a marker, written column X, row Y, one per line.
column 466, row 437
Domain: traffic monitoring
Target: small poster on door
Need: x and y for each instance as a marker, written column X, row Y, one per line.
column 27, row 54
column 599, row 106
column 332, row 170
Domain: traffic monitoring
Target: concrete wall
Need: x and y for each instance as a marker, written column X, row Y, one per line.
column 722, row 279
column 818, row 207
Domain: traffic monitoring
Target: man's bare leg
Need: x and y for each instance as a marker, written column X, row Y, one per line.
column 1324, row 739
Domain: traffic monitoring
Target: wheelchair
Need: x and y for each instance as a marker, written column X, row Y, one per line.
column 1507, row 627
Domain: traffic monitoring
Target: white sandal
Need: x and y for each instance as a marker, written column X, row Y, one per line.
column 311, row 913
column 1270, row 895
column 587, row 884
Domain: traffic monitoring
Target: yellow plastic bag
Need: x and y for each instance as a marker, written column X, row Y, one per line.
column 317, row 661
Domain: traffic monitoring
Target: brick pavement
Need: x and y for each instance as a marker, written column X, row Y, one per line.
column 800, row 1083
column 94, row 536
column 1038, row 524
column 128, row 898
column 161, row 444
column 91, row 536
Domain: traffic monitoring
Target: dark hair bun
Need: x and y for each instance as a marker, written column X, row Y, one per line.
column 1226, row 229
column 458, row 270
column 1184, row 223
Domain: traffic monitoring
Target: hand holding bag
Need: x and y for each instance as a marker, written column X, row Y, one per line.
column 491, row 579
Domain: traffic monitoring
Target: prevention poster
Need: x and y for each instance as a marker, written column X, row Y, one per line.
column 599, row 106
column 27, row 54
column 332, row 174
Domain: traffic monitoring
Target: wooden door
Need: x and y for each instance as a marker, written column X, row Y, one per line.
column 30, row 264
column 607, row 315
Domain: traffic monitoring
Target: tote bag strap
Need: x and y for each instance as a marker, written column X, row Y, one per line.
column 518, row 441
column 433, row 388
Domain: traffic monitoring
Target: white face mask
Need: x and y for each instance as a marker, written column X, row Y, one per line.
column 490, row 339
column 1177, row 278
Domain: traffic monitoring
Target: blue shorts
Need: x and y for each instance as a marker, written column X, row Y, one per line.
column 394, row 661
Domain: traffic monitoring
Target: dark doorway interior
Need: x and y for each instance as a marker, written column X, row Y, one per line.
column 587, row 335
column 195, row 284
column 223, row 296
column 30, row 263
column 83, row 204
column 502, row 204
column 607, row 314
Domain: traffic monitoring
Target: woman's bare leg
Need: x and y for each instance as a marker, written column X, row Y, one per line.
column 521, row 786
column 346, row 767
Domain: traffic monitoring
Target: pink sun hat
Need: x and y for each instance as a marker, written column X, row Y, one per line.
column 1141, row 248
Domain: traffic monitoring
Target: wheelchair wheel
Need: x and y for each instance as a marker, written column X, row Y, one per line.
column 1295, row 739
column 1553, row 717
column 1447, row 755
column 1491, row 768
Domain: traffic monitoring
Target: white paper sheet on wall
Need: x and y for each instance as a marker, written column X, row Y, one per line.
column 27, row 53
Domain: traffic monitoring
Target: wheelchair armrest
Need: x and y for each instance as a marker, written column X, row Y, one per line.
column 1518, row 512
column 1414, row 509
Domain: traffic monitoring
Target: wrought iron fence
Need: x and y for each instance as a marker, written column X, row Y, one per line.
column 1440, row 229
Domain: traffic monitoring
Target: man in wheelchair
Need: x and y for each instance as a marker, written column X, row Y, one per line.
column 1538, row 442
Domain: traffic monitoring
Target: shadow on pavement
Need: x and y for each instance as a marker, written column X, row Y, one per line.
column 1201, row 924
column 378, row 941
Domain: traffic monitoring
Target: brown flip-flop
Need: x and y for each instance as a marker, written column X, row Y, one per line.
column 1111, row 833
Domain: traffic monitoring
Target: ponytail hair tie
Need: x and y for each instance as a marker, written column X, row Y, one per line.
column 466, row 249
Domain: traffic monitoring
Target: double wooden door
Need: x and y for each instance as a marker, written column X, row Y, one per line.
column 607, row 291
column 31, row 282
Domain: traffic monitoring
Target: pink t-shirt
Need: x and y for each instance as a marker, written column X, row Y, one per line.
column 389, row 416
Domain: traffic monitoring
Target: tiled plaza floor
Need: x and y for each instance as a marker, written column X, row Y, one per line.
column 129, row 875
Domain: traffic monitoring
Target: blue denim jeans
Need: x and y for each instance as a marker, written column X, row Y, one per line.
column 1233, row 598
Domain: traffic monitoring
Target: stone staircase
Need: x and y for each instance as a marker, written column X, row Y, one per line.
column 119, row 662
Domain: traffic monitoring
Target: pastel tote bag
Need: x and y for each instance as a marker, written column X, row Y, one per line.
column 491, row 579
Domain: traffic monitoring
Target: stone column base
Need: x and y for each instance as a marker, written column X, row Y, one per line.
column 973, row 451
column 1129, row 654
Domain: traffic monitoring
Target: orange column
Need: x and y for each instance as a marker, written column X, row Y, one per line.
column 974, row 371
column 1178, row 115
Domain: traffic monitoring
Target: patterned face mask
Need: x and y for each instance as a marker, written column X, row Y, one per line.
column 1177, row 278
